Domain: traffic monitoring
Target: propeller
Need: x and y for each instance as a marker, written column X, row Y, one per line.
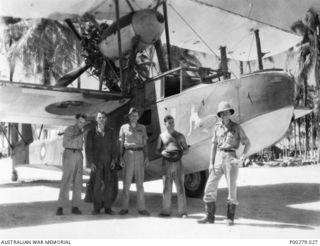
column 147, row 27
column 68, row 78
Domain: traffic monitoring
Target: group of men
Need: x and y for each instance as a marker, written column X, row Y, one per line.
column 103, row 153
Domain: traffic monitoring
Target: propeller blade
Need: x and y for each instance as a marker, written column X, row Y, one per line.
column 68, row 78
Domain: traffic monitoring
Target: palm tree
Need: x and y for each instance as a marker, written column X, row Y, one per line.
column 43, row 46
column 13, row 30
column 309, row 58
column 47, row 47
column 181, row 57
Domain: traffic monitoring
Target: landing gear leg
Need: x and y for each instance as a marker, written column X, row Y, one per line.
column 14, row 175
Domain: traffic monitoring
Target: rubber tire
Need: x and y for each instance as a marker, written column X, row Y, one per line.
column 196, row 188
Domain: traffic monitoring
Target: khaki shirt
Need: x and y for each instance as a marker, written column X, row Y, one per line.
column 229, row 137
column 133, row 136
column 72, row 139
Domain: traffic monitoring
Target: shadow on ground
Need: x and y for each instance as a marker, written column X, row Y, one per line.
column 267, row 203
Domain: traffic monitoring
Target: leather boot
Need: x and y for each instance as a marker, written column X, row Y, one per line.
column 230, row 214
column 210, row 212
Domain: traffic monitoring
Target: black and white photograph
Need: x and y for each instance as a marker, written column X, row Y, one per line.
column 159, row 119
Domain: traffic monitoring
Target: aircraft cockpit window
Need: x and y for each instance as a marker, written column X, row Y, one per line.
column 175, row 83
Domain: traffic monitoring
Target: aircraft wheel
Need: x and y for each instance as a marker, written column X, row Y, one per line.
column 14, row 175
column 194, row 183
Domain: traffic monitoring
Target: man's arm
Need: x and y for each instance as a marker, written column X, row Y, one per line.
column 213, row 154
column 214, row 147
column 71, row 133
column 114, row 147
column 89, row 150
column 145, row 147
column 159, row 146
column 184, row 145
column 121, row 146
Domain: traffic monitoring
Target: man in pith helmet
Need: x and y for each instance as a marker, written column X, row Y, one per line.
column 227, row 136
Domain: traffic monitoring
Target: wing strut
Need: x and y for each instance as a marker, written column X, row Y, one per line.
column 165, row 13
column 260, row 54
column 72, row 27
column 19, row 133
column 224, row 62
column 40, row 132
column 5, row 135
column 123, row 86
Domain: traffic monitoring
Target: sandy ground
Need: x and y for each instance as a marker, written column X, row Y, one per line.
column 275, row 203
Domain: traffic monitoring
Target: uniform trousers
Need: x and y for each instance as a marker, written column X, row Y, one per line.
column 225, row 163
column 173, row 171
column 133, row 167
column 72, row 161
column 103, row 188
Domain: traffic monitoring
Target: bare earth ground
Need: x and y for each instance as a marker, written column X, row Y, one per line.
column 274, row 203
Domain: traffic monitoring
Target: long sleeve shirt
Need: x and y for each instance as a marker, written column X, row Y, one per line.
column 72, row 138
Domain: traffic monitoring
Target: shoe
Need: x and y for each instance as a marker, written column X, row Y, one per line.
column 95, row 212
column 123, row 211
column 184, row 216
column 230, row 214
column 109, row 211
column 59, row 211
column 206, row 220
column 144, row 212
column 210, row 214
column 163, row 215
column 76, row 210
column 229, row 222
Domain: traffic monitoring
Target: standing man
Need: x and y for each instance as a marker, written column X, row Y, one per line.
column 101, row 154
column 172, row 145
column 133, row 158
column 227, row 136
column 72, row 161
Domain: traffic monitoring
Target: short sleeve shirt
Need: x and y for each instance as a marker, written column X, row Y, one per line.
column 72, row 138
column 133, row 136
column 229, row 137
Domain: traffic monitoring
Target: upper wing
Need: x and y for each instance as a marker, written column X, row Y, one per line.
column 39, row 104
column 202, row 26
column 64, row 9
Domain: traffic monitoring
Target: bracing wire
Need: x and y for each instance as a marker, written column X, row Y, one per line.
column 198, row 35
column 251, row 44
column 193, row 30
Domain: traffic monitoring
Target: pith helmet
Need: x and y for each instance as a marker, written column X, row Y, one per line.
column 132, row 110
column 224, row 106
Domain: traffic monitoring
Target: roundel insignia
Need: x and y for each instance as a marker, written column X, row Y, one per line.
column 43, row 151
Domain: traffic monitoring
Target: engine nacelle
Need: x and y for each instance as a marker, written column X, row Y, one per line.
column 147, row 24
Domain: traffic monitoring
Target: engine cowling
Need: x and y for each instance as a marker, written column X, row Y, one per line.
column 147, row 24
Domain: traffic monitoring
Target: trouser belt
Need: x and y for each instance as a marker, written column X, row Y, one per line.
column 135, row 148
column 227, row 150
column 74, row 150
